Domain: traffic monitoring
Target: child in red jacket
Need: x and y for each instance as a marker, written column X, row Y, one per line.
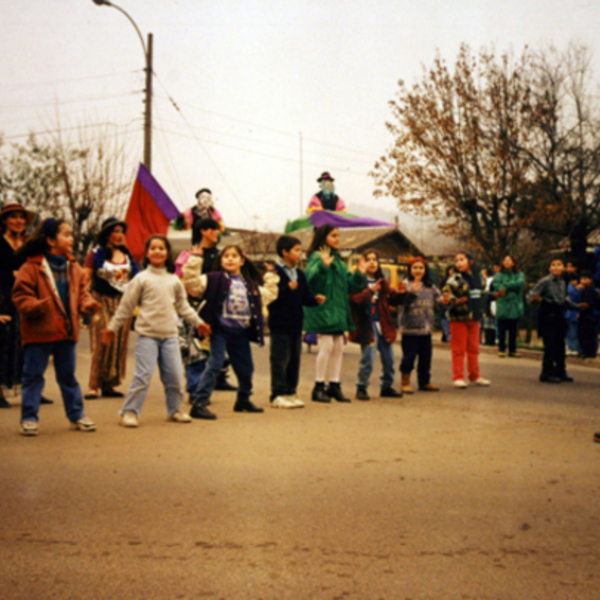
column 51, row 292
column 375, row 328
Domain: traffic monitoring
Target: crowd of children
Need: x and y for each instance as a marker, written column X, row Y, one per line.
column 211, row 305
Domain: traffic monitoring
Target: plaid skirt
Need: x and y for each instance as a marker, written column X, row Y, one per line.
column 108, row 361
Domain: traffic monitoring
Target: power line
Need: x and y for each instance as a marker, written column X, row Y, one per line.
column 274, row 144
column 216, row 167
column 263, row 154
column 62, row 102
column 47, row 83
column 267, row 128
column 61, row 129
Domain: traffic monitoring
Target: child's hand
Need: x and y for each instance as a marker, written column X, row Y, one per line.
column 535, row 299
column 461, row 300
column 196, row 250
column 326, row 256
column 293, row 285
column 320, row 298
column 376, row 287
column 108, row 336
column 5, row 319
column 204, row 330
column 361, row 266
column 500, row 293
column 269, row 267
column 445, row 299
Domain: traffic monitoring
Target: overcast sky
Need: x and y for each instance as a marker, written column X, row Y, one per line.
column 248, row 77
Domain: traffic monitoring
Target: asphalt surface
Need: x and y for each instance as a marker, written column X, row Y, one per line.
column 485, row 493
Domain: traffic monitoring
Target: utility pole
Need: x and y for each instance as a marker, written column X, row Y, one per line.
column 148, row 107
column 148, row 89
column 301, row 191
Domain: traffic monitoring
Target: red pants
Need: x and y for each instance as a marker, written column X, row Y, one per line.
column 464, row 339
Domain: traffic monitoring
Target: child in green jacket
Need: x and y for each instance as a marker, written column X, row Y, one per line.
column 329, row 276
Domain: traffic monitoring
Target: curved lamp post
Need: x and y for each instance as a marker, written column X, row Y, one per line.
column 147, row 90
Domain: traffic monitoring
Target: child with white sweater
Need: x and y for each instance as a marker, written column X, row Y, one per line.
column 160, row 296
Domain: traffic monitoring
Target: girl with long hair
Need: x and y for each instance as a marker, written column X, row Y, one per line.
column 328, row 275
column 233, row 298
column 51, row 294
column 463, row 291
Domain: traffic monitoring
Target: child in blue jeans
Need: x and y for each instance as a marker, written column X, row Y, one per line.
column 160, row 297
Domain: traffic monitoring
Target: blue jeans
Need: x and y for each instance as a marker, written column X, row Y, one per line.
column 193, row 372
column 35, row 362
column 573, row 336
column 236, row 342
column 149, row 351
column 367, row 360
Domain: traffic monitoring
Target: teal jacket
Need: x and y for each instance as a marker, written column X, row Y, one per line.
column 335, row 283
column 509, row 306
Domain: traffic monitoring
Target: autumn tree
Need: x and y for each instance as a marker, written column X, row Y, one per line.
column 564, row 149
column 84, row 179
column 501, row 149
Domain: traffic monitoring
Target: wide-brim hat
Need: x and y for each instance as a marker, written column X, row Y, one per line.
column 16, row 207
column 109, row 224
column 325, row 176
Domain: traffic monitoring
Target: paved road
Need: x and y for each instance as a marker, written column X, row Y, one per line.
column 475, row 494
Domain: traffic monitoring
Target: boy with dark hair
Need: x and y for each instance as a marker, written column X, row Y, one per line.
column 551, row 292
column 285, row 323
column 587, row 328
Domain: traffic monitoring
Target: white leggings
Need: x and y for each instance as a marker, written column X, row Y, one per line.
column 330, row 353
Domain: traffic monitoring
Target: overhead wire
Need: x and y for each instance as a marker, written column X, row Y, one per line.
column 201, row 144
column 60, row 81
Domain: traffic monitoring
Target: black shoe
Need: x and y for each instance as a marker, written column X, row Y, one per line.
column 362, row 394
column 4, row 403
column 566, row 379
column 550, row 379
column 389, row 392
column 46, row 401
column 247, row 406
column 597, row 437
column 222, row 384
column 199, row 411
column 335, row 391
column 318, row 394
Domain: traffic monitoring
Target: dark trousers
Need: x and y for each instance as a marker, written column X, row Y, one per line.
column 286, row 350
column 510, row 326
column 554, row 333
column 36, row 360
column 236, row 341
column 414, row 346
column 587, row 333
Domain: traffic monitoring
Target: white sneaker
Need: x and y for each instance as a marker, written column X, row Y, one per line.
column 179, row 417
column 29, row 428
column 129, row 419
column 83, row 424
column 481, row 381
column 281, row 402
column 460, row 384
column 296, row 401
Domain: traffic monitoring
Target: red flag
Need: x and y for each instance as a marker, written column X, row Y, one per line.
column 150, row 211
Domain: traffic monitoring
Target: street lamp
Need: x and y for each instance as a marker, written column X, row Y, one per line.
column 147, row 90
